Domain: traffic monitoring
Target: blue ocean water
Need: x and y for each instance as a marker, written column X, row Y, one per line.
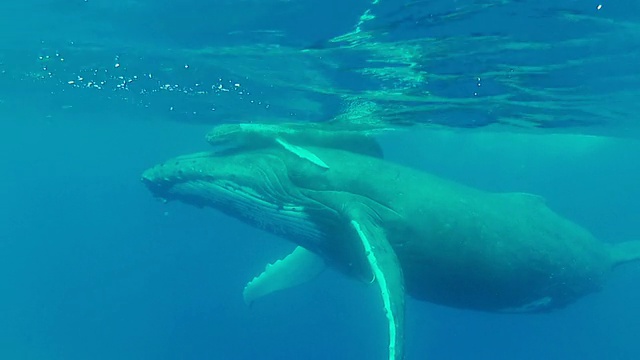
column 508, row 96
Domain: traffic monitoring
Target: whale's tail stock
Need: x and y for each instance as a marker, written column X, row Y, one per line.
column 625, row 252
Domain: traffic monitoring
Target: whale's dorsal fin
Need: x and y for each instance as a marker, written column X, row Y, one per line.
column 388, row 276
column 296, row 268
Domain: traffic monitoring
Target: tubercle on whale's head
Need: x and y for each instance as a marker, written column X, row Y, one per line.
column 162, row 178
column 209, row 175
column 240, row 183
column 253, row 186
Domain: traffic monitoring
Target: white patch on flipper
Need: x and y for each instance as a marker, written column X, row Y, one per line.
column 303, row 153
column 296, row 268
column 382, row 283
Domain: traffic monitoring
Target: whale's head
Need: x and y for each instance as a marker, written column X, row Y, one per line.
column 254, row 187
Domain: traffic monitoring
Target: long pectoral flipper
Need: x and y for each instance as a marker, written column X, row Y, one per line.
column 388, row 275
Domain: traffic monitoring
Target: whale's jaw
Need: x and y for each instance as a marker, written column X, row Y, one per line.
column 256, row 195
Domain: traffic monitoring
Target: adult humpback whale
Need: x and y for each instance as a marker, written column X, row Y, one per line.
column 404, row 229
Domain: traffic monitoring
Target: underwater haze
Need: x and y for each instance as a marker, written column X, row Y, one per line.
column 505, row 96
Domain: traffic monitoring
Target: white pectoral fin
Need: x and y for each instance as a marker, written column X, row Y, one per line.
column 296, row 268
column 388, row 275
column 302, row 153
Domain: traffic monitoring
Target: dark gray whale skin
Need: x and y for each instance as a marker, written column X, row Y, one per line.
column 409, row 231
column 457, row 246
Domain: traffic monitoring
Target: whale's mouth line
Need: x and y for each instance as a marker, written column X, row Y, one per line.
column 261, row 195
column 279, row 217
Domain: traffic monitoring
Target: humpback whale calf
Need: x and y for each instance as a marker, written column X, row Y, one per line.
column 407, row 231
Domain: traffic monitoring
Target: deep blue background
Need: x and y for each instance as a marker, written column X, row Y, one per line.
column 95, row 268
